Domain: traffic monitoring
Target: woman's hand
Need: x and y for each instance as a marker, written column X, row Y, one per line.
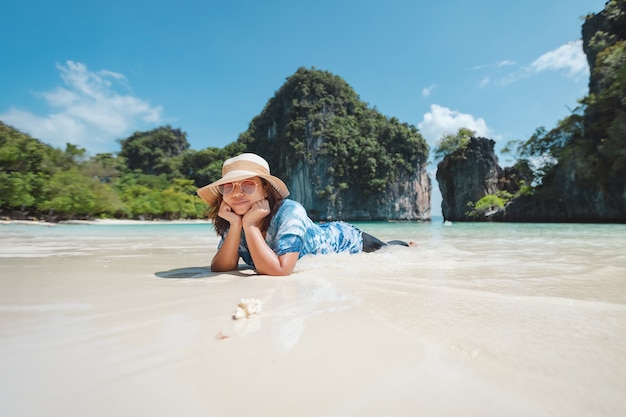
column 259, row 210
column 227, row 213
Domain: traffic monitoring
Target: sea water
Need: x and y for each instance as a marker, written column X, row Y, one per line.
column 572, row 261
column 519, row 254
column 537, row 309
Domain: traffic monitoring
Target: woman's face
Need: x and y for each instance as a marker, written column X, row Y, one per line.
column 236, row 195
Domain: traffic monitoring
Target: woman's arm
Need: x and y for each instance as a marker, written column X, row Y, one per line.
column 265, row 260
column 227, row 256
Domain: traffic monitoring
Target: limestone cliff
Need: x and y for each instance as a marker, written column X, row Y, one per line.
column 467, row 176
column 587, row 183
column 340, row 158
column 310, row 182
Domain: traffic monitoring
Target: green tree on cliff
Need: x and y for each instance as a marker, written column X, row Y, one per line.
column 316, row 114
column 451, row 142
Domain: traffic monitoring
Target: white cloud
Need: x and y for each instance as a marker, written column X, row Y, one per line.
column 427, row 90
column 441, row 120
column 569, row 59
column 505, row 63
column 87, row 111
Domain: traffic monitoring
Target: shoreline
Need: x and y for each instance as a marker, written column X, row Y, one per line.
column 103, row 222
column 132, row 321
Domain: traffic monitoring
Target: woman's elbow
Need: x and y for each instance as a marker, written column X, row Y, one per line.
column 277, row 273
column 221, row 267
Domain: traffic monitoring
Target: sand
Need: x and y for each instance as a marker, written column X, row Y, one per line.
column 146, row 330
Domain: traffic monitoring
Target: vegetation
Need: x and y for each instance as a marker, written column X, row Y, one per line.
column 585, row 154
column 37, row 180
column 453, row 144
column 317, row 115
column 488, row 203
column 592, row 137
column 600, row 151
column 538, row 156
column 156, row 174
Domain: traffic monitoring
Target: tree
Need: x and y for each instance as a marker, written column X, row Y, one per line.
column 69, row 195
column 108, row 201
column 26, row 164
column 538, row 156
column 180, row 200
column 205, row 166
column 158, row 151
column 18, row 190
column 449, row 143
column 104, row 167
column 316, row 114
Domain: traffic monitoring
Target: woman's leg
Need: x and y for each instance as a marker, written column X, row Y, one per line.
column 371, row 243
column 398, row 242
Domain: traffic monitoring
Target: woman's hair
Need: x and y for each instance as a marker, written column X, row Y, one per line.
column 273, row 197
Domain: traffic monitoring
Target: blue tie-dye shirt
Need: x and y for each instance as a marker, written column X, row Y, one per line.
column 291, row 230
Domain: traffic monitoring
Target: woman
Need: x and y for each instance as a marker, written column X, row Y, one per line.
column 250, row 211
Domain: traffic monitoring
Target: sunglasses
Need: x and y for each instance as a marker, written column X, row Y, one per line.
column 247, row 186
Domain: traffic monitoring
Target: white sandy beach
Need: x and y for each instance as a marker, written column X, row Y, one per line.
column 134, row 323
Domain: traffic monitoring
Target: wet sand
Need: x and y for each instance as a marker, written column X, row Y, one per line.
column 93, row 326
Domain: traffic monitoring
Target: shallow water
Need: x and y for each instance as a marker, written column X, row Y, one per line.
column 575, row 261
column 534, row 309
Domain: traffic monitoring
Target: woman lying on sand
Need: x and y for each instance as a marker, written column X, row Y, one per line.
column 259, row 224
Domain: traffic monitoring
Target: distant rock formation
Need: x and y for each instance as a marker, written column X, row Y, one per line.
column 588, row 182
column 339, row 158
column 467, row 176
column 470, row 174
column 312, row 184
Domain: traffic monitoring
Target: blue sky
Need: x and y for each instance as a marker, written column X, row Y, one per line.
column 90, row 73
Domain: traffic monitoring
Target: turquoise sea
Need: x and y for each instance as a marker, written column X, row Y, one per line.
column 586, row 261
column 530, row 315
column 594, row 246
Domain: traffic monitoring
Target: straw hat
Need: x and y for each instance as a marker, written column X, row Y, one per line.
column 239, row 168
